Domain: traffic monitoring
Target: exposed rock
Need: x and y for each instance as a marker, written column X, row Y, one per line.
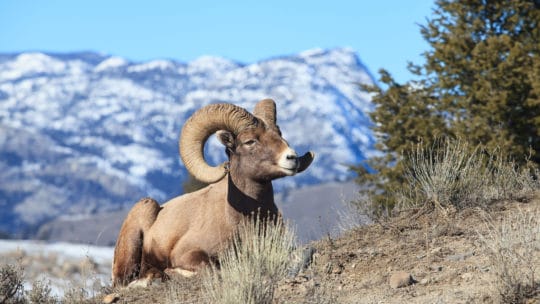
column 400, row 279
column 111, row 298
column 468, row 276
column 435, row 268
column 460, row 257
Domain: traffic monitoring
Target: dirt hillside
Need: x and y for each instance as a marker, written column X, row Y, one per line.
column 441, row 251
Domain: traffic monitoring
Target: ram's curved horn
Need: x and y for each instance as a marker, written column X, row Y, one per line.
column 200, row 126
column 266, row 111
column 304, row 161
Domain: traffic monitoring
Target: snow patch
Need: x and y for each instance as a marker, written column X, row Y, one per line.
column 110, row 63
column 211, row 64
column 67, row 250
column 29, row 64
column 152, row 65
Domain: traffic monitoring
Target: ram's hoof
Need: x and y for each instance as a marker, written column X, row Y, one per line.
column 140, row 283
column 171, row 272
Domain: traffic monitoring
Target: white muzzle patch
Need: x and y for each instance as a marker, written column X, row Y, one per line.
column 288, row 161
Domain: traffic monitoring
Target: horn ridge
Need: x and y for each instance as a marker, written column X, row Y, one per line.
column 266, row 111
column 198, row 128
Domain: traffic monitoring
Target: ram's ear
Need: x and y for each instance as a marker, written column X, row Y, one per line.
column 226, row 138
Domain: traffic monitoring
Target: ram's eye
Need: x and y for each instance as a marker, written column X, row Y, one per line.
column 250, row 142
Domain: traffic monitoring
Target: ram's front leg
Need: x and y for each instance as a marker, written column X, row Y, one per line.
column 151, row 269
column 149, row 275
column 187, row 263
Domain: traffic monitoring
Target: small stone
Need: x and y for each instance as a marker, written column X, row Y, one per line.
column 436, row 268
column 111, row 298
column 459, row 257
column 400, row 279
column 424, row 281
column 436, row 250
column 467, row 276
column 338, row 269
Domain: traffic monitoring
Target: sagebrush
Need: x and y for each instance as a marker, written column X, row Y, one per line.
column 11, row 284
column 251, row 267
column 513, row 247
column 454, row 174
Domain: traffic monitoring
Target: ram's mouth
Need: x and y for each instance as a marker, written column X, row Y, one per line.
column 290, row 170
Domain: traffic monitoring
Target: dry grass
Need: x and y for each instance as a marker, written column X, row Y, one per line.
column 41, row 293
column 512, row 182
column 87, row 288
column 11, row 284
column 513, row 247
column 354, row 214
column 251, row 268
column 12, row 281
column 446, row 174
column 452, row 174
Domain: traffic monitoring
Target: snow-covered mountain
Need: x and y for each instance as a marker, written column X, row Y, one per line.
column 86, row 132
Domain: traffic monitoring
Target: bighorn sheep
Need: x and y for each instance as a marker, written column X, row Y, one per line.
column 185, row 233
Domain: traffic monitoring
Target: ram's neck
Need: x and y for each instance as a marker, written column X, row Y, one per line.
column 248, row 197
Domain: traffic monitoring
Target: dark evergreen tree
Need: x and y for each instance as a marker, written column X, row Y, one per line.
column 404, row 116
column 483, row 67
column 480, row 82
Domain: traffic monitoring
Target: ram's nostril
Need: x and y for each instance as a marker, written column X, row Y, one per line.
column 291, row 156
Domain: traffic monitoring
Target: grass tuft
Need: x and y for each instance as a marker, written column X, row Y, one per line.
column 11, row 284
column 453, row 174
column 41, row 293
column 513, row 248
column 250, row 269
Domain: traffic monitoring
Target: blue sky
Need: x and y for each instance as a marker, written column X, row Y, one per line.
column 385, row 34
